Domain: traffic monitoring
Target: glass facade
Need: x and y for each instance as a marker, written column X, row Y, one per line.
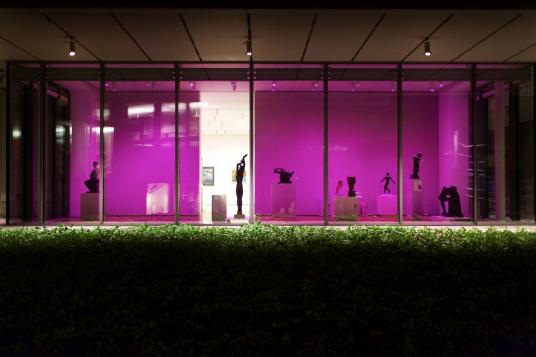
column 446, row 144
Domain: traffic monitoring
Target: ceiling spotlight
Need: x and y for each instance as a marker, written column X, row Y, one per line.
column 72, row 47
column 273, row 86
column 427, row 51
column 249, row 50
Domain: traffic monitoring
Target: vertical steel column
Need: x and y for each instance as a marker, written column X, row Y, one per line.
column 325, row 79
column 399, row 128
column 474, row 143
column 251, row 142
column 41, row 143
column 102, row 86
column 533, row 95
column 176, row 77
column 8, row 142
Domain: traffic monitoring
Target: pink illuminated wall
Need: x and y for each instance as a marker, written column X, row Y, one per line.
column 420, row 134
column 144, row 152
column 84, row 145
column 454, row 142
column 289, row 134
column 362, row 142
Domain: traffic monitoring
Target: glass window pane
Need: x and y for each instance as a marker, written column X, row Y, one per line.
column 362, row 143
column 289, row 139
column 437, row 143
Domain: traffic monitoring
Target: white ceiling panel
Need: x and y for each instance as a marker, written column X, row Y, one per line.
column 398, row 34
column 505, row 43
column 100, row 34
column 461, row 32
column 280, row 35
column 161, row 35
column 218, row 34
column 339, row 34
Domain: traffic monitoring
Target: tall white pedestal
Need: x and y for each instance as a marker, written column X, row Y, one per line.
column 219, row 207
column 284, row 200
column 386, row 204
column 89, row 206
column 157, row 198
column 417, row 198
column 345, row 208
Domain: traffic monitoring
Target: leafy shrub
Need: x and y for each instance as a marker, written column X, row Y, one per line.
column 267, row 290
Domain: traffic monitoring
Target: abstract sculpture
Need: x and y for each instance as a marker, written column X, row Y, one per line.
column 452, row 197
column 416, row 166
column 240, row 168
column 284, row 176
column 93, row 183
column 351, row 184
column 387, row 180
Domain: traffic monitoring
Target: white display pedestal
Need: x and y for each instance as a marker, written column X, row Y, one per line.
column 284, row 200
column 89, row 206
column 157, row 199
column 417, row 198
column 386, row 204
column 219, row 207
column 345, row 208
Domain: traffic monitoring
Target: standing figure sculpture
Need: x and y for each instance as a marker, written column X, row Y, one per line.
column 351, row 184
column 240, row 169
column 416, row 166
column 387, row 180
column 93, row 183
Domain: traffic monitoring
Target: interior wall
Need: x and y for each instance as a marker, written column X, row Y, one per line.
column 289, row 134
column 362, row 142
column 85, row 144
column 454, row 142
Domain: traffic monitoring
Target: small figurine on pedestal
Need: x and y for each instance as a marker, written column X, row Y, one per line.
column 351, row 184
column 93, row 183
column 240, row 169
column 416, row 166
column 284, row 176
column 387, row 180
column 338, row 188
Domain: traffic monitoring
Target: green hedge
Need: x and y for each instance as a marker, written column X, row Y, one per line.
column 267, row 290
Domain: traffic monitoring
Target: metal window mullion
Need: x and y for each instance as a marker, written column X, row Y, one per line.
column 177, row 144
column 8, row 143
column 42, row 145
column 473, row 120
column 102, row 78
column 325, row 78
column 251, row 143
column 399, row 128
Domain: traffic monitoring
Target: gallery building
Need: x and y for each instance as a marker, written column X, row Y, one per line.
column 346, row 116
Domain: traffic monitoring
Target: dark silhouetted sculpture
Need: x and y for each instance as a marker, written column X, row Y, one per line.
column 452, row 197
column 387, row 180
column 284, row 176
column 240, row 169
column 93, row 183
column 351, row 185
column 416, row 166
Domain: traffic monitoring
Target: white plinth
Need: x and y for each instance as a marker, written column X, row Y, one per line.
column 386, row 204
column 157, row 199
column 89, row 206
column 345, row 208
column 417, row 198
column 283, row 200
column 219, row 207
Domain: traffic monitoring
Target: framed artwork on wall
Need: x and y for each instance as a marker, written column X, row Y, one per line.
column 207, row 175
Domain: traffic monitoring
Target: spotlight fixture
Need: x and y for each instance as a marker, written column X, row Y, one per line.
column 72, row 47
column 249, row 50
column 427, row 51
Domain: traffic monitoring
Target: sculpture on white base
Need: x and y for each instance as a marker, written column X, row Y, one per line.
column 157, row 199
